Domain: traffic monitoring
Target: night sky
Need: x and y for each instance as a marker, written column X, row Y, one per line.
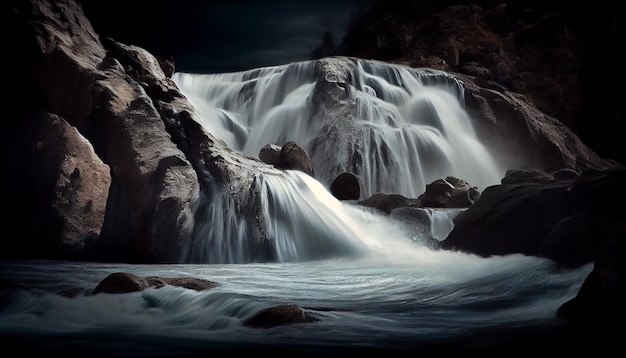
column 224, row 36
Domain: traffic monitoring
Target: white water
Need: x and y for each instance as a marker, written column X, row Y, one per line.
column 406, row 126
column 404, row 302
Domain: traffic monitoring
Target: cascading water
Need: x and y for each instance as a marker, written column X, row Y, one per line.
column 394, row 127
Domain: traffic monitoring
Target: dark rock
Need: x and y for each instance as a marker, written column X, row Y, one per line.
column 270, row 154
column 346, row 186
column 167, row 65
column 600, row 300
column 574, row 241
column 450, row 192
column 279, row 316
column 293, row 157
column 565, row 174
column 386, row 203
column 191, row 283
column 124, row 282
column 526, row 176
column 544, row 219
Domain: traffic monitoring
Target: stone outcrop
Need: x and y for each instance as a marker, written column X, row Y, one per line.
column 516, row 131
column 386, row 203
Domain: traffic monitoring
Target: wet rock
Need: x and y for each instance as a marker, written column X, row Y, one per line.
column 388, row 202
column 270, row 154
column 279, row 316
column 294, row 157
column 346, row 187
column 124, row 282
column 450, row 192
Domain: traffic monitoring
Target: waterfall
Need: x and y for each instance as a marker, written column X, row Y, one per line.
column 303, row 222
column 441, row 221
column 396, row 128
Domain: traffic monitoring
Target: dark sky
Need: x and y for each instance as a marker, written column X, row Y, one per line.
column 223, row 36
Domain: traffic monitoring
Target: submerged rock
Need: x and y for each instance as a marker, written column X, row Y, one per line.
column 279, row 316
column 124, row 282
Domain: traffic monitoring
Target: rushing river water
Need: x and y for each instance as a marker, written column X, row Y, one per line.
column 416, row 298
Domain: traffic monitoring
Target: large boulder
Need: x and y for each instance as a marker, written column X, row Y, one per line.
column 346, row 186
column 279, row 316
column 545, row 219
column 294, row 157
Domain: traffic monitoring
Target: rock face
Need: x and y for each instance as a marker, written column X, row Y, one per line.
column 119, row 100
column 65, row 208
